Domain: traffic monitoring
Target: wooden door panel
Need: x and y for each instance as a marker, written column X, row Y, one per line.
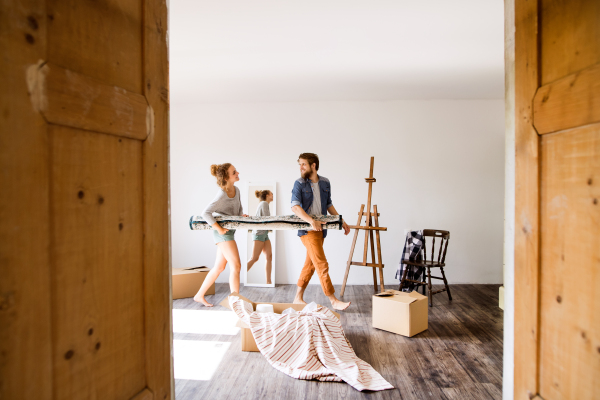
column 100, row 39
column 84, row 294
column 557, row 115
column 569, row 37
column 570, row 261
column 97, row 264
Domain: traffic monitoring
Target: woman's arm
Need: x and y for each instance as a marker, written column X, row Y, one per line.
column 208, row 217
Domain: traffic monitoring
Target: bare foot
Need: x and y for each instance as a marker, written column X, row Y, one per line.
column 268, row 282
column 201, row 299
column 299, row 301
column 340, row 305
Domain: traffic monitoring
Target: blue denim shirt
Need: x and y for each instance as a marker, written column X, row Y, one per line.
column 302, row 196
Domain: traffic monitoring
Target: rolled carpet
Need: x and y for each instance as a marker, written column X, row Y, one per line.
column 275, row 223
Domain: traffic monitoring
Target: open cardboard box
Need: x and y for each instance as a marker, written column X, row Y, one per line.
column 185, row 282
column 248, row 342
column 400, row 312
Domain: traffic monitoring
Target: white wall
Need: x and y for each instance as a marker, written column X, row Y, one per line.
column 439, row 164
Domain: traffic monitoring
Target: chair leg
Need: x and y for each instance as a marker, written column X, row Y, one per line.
column 446, row 283
column 429, row 287
column 403, row 277
column 423, row 287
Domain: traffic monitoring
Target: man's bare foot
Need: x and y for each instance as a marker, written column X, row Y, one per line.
column 340, row 305
column 299, row 301
column 201, row 299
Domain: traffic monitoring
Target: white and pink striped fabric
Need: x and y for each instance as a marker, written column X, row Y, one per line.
column 308, row 345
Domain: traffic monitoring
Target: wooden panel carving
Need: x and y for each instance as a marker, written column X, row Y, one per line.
column 71, row 99
column 570, row 302
column 568, row 102
column 97, row 265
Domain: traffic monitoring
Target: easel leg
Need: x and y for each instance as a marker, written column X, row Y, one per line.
column 378, row 248
column 373, row 257
column 362, row 207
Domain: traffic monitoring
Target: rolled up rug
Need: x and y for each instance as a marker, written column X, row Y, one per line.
column 275, row 223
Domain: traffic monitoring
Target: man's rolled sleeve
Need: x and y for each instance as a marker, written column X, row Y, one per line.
column 329, row 202
column 297, row 195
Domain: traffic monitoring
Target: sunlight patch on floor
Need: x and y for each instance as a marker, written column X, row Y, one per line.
column 205, row 322
column 197, row 359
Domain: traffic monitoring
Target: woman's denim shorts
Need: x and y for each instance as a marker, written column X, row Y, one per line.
column 263, row 237
column 223, row 238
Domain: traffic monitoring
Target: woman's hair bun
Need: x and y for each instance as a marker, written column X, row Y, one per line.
column 257, row 193
column 213, row 169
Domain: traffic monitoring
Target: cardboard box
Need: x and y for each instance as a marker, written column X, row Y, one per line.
column 248, row 342
column 187, row 281
column 400, row 312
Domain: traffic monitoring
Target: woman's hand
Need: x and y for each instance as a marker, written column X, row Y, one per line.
column 245, row 215
column 219, row 228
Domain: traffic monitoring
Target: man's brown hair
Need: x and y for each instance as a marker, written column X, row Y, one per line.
column 311, row 158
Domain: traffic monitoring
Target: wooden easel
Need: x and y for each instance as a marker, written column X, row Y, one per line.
column 368, row 228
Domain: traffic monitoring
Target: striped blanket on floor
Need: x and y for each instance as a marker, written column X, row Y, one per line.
column 308, row 345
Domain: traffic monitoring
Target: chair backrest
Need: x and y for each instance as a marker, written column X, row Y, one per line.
column 444, row 237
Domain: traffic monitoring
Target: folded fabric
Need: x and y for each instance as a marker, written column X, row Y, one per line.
column 308, row 345
column 277, row 222
column 413, row 251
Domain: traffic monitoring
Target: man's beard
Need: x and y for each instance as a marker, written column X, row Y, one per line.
column 306, row 174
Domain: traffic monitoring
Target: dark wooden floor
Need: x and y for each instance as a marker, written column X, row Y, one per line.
column 458, row 357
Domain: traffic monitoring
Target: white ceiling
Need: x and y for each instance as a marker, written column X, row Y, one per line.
column 311, row 50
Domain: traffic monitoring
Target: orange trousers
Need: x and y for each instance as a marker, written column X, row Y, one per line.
column 315, row 259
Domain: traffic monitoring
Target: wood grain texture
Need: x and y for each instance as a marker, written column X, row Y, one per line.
column 157, row 275
column 570, row 303
column 143, row 395
column 71, row 99
column 97, row 265
column 568, row 102
column 526, row 202
column 458, row 357
column 99, row 39
column 25, row 323
column 569, row 37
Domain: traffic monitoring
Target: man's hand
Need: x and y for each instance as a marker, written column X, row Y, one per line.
column 317, row 225
column 346, row 228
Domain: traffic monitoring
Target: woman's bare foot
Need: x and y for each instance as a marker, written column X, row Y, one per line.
column 299, row 300
column 201, row 299
column 340, row 305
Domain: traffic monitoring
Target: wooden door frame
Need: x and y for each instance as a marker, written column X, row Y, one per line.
column 26, row 329
column 157, row 237
column 524, row 33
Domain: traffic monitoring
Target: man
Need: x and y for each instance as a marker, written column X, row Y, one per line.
column 311, row 196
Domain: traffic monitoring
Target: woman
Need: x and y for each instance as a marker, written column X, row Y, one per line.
column 261, row 238
column 227, row 202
